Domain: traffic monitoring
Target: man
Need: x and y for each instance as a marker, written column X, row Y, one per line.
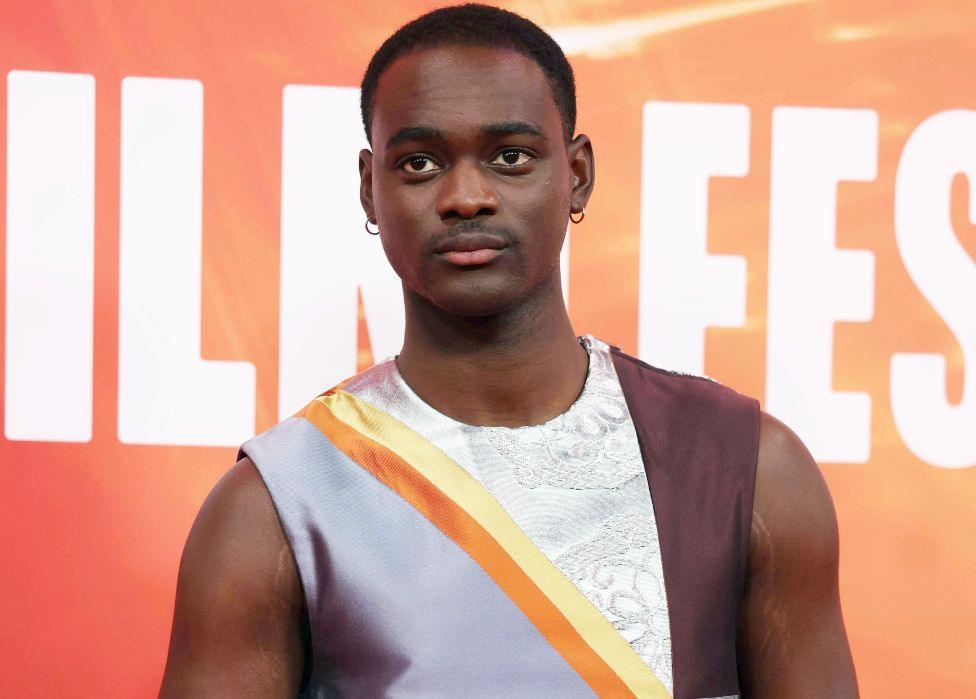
column 505, row 509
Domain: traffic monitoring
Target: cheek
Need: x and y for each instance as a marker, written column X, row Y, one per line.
column 401, row 255
column 545, row 224
column 395, row 203
column 400, row 224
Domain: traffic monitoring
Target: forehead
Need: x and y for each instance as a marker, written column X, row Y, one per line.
column 459, row 88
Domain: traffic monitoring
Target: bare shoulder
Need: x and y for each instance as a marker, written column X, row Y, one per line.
column 236, row 626
column 792, row 502
column 239, row 510
column 237, row 534
column 792, row 640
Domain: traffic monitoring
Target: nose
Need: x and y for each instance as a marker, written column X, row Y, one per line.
column 465, row 192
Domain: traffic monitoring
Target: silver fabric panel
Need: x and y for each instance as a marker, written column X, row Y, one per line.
column 575, row 485
column 396, row 608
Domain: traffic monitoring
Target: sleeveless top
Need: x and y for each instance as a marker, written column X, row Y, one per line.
column 602, row 552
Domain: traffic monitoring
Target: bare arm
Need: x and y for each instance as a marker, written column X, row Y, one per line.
column 792, row 641
column 237, row 624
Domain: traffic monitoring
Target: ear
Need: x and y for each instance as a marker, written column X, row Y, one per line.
column 366, row 183
column 581, row 164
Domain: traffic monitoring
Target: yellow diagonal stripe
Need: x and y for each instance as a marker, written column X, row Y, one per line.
column 461, row 487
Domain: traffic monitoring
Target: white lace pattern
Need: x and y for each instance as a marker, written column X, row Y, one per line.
column 575, row 485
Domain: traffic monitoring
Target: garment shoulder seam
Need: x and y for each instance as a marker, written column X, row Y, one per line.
column 667, row 372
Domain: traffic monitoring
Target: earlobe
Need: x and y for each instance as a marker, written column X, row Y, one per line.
column 366, row 182
column 582, row 165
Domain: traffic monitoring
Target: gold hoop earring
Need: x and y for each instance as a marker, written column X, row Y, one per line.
column 577, row 220
column 376, row 232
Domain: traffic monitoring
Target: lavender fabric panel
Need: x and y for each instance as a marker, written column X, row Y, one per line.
column 700, row 443
column 575, row 485
column 396, row 608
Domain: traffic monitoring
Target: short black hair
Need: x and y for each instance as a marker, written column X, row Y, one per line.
column 476, row 25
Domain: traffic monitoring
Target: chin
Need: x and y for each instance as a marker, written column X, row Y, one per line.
column 476, row 293
column 476, row 305
column 475, row 300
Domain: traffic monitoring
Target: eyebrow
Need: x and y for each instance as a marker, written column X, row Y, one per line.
column 429, row 133
column 512, row 128
column 415, row 133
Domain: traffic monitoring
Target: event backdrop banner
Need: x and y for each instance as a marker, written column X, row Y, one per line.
column 786, row 202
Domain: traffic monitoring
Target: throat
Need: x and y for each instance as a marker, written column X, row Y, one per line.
column 500, row 389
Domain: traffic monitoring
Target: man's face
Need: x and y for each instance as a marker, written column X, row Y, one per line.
column 470, row 179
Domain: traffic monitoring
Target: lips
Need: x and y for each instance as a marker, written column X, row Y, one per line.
column 472, row 257
column 471, row 248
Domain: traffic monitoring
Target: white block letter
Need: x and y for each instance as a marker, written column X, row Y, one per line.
column 167, row 393
column 326, row 254
column 50, row 256
column 683, row 289
column 812, row 284
column 942, row 146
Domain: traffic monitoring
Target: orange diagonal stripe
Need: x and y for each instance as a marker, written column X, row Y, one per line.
column 464, row 530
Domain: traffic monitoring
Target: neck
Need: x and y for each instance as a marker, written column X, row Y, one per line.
column 521, row 367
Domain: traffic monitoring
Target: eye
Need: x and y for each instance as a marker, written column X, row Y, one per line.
column 512, row 157
column 419, row 164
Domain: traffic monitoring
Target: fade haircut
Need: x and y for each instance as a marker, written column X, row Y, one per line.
column 475, row 25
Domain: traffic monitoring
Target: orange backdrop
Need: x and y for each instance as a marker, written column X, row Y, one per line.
column 91, row 532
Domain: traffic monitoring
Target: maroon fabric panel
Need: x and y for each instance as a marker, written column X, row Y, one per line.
column 699, row 441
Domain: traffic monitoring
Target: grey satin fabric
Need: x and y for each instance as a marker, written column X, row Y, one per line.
column 575, row 485
column 396, row 608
